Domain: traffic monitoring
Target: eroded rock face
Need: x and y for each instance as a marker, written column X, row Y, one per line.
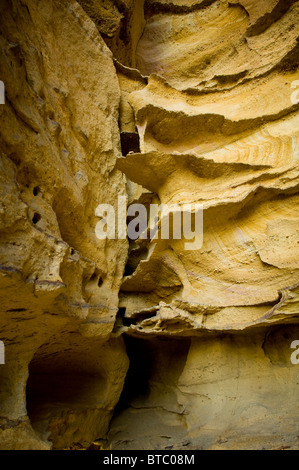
column 218, row 126
column 59, row 283
column 212, row 392
column 227, row 139
column 165, row 102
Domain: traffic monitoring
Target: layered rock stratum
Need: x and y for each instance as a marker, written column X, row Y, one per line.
column 146, row 344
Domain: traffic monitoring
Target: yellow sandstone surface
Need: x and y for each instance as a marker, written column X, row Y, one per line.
column 165, row 102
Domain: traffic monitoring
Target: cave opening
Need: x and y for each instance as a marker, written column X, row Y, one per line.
column 65, row 392
column 36, row 191
column 51, row 396
column 36, row 218
column 156, row 363
column 139, row 373
column 152, row 360
column 130, row 143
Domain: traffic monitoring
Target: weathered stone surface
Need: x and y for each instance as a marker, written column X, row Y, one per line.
column 164, row 102
column 210, row 47
column 59, row 283
column 121, row 22
column 218, row 126
column 217, row 392
column 231, row 145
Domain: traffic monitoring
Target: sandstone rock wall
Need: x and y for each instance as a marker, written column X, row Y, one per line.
column 216, row 392
column 218, row 125
column 164, row 102
column 59, row 283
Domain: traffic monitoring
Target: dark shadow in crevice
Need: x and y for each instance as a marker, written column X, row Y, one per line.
column 129, row 143
column 146, row 364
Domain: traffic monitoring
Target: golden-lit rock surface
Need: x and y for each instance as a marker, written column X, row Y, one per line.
column 229, row 141
column 218, row 126
column 219, row 392
column 166, row 102
column 59, row 283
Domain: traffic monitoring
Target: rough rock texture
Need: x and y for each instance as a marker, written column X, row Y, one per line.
column 121, row 23
column 166, row 102
column 217, row 392
column 230, row 143
column 217, row 126
column 59, row 283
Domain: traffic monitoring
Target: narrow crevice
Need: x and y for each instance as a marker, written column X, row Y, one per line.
column 156, row 363
column 129, row 143
column 121, row 319
column 268, row 19
column 36, row 218
column 157, row 7
column 136, row 255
